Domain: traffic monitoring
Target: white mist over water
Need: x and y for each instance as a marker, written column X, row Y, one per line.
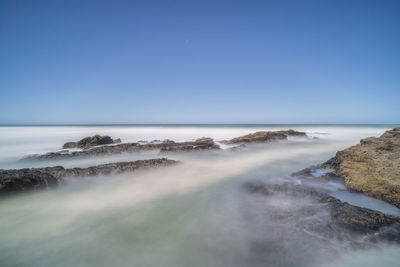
column 192, row 214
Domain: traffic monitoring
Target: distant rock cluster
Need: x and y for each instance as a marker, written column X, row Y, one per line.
column 204, row 143
column 24, row 180
column 104, row 145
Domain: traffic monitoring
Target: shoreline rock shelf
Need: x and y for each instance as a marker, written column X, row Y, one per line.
column 371, row 167
column 24, row 180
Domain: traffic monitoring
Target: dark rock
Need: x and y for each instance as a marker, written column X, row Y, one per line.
column 95, row 140
column 165, row 146
column 204, row 143
column 265, row 136
column 91, row 141
column 345, row 221
column 311, row 173
column 12, row 181
column 168, row 142
column 93, row 148
column 307, row 172
column 236, row 148
column 70, row 145
column 22, row 180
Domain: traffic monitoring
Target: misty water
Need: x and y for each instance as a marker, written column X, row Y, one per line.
column 193, row 214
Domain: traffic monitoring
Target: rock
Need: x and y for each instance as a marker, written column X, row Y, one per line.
column 12, row 181
column 292, row 132
column 94, row 151
column 265, row 136
column 70, row 145
column 23, row 180
column 344, row 221
column 168, row 142
column 91, row 141
column 165, row 146
column 95, row 140
column 371, row 167
column 204, row 143
column 92, row 144
column 236, row 148
column 322, row 174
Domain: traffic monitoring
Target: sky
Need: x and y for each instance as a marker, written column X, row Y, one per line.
column 83, row 62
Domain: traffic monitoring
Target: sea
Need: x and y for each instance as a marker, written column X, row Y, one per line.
column 194, row 214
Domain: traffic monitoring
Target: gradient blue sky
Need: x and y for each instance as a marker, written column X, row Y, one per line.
column 199, row 61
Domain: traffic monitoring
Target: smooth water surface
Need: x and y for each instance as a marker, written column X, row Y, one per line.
column 192, row 214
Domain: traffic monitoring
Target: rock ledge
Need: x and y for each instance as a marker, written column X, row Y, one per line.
column 371, row 167
column 91, row 141
column 265, row 136
column 23, row 180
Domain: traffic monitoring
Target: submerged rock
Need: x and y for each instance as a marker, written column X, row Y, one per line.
column 23, row 180
column 91, row 141
column 371, row 167
column 343, row 221
column 265, row 136
column 238, row 147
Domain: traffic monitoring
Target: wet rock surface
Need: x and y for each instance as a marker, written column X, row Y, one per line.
column 24, row 180
column 95, row 145
column 371, row 167
column 265, row 136
column 91, row 141
column 204, row 143
column 322, row 216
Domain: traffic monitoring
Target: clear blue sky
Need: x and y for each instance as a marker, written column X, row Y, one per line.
column 199, row 61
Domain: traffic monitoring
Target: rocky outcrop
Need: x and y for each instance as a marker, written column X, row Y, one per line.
column 92, row 144
column 23, row 180
column 371, row 167
column 204, row 143
column 91, row 141
column 343, row 222
column 265, row 136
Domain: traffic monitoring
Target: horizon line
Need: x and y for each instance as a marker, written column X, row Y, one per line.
column 182, row 124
